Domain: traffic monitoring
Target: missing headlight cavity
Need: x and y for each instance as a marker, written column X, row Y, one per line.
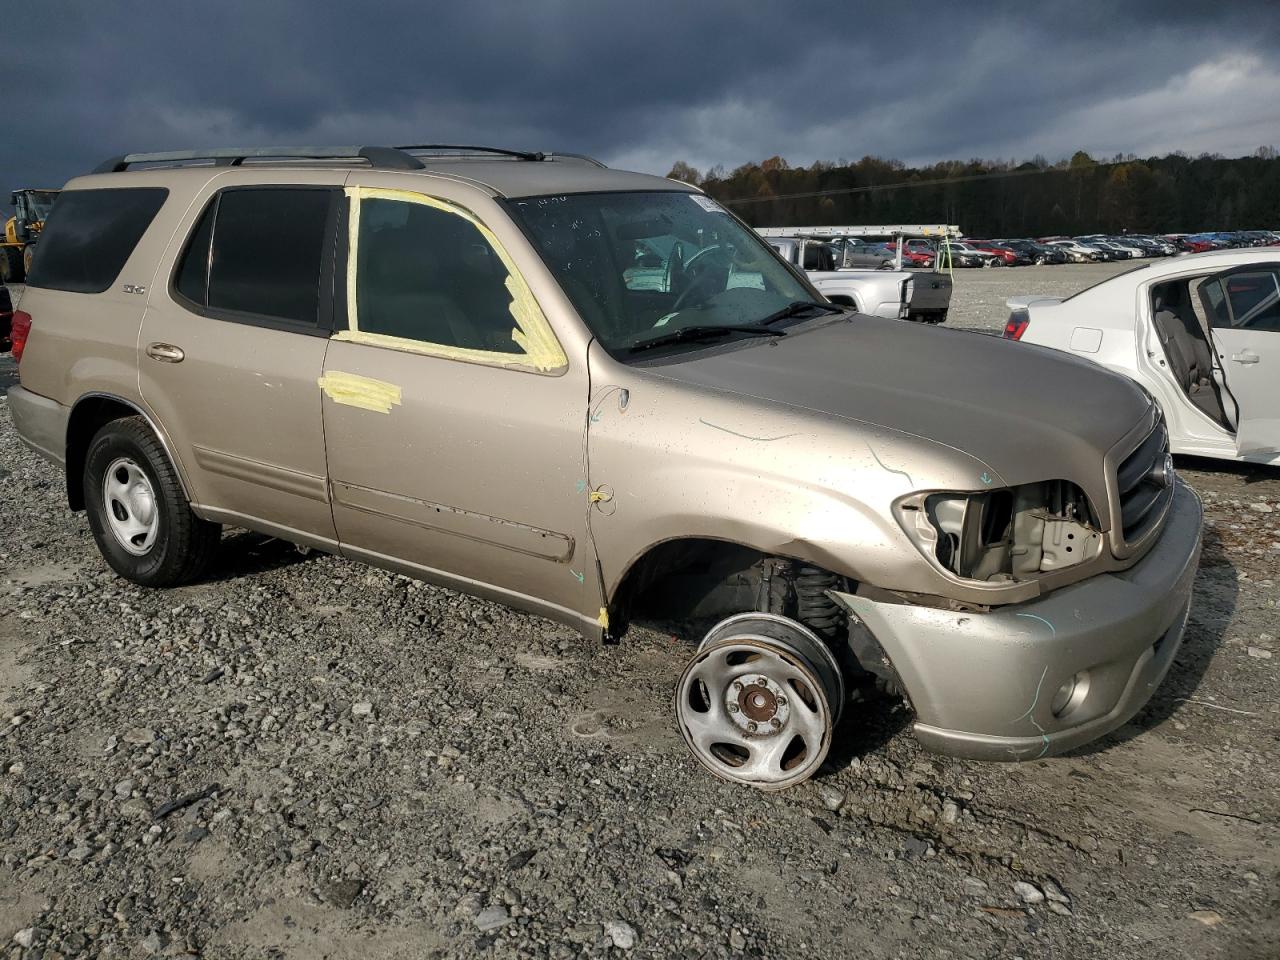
column 1011, row 533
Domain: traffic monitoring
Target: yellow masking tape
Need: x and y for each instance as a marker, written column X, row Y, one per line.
column 532, row 333
column 357, row 391
column 603, row 619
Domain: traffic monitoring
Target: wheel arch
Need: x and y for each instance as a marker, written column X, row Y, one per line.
column 685, row 556
column 91, row 413
column 845, row 300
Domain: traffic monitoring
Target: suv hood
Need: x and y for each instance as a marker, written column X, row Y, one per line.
column 1027, row 413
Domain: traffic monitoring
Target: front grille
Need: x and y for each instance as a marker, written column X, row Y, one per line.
column 1144, row 488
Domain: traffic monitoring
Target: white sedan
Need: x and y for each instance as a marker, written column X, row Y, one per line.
column 1201, row 333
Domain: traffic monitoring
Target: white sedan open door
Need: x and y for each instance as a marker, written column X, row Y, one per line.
column 1243, row 305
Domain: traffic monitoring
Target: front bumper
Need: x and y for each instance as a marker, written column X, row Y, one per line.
column 983, row 684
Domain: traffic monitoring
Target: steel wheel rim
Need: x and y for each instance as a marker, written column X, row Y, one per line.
column 130, row 506
column 755, row 712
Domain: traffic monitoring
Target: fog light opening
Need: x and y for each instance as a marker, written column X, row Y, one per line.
column 1070, row 695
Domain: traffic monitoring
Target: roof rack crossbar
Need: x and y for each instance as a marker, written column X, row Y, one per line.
column 387, row 158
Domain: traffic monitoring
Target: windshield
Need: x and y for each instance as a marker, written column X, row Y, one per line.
column 642, row 265
column 39, row 205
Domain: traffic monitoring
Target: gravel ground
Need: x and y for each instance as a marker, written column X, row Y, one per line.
column 303, row 757
column 977, row 301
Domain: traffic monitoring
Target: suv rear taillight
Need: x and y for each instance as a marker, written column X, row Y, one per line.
column 21, row 327
column 1019, row 320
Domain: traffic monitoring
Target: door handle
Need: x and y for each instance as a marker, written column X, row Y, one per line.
column 165, row 352
column 1245, row 357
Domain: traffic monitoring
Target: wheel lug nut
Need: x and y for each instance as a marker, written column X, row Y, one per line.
column 782, row 701
column 733, row 708
column 776, row 723
column 752, row 727
column 737, row 685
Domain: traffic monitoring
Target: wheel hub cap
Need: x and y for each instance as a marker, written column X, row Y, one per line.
column 759, row 703
column 130, row 503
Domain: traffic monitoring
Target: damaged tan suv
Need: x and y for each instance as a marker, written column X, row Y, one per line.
column 599, row 396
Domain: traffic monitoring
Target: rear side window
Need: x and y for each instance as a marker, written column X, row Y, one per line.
column 1255, row 300
column 90, row 235
column 193, row 275
column 258, row 252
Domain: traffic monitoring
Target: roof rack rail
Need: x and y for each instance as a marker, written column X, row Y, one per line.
column 385, row 158
column 582, row 156
column 459, row 148
column 472, row 148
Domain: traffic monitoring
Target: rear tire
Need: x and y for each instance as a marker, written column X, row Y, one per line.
column 139, row 516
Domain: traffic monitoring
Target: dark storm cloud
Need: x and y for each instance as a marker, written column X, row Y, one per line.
column 641, row 83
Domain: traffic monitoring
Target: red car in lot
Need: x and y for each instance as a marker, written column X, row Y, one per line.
column 1011, row 257
column 913, row 255
column 1195, row 244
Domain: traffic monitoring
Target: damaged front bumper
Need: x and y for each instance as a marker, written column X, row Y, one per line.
column 1034, row 679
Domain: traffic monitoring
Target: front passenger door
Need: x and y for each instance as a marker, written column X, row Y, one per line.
column 1243, row 306
column 455, row 423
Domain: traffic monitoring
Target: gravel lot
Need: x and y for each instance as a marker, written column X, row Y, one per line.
column 307, row 758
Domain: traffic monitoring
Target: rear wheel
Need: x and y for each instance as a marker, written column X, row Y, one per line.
column 138, row 514
column 28, row 252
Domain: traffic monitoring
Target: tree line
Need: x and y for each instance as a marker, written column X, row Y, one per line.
column 993, row 198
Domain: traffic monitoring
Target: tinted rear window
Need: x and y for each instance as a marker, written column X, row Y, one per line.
column 267, row 246
column 90, row 235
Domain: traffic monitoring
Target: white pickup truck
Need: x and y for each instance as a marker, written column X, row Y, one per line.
column 921, row 295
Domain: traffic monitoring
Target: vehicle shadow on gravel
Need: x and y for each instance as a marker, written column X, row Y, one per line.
column 1247, row 472
column 1212, row 604
column 866, row 727
column 8, row 374
column 243, row 553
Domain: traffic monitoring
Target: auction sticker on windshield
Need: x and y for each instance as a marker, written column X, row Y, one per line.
column 706, row 203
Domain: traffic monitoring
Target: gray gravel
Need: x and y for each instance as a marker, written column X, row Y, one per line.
column 977, row 302
column 303, row 757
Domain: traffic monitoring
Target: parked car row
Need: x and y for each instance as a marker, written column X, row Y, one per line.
column 1090, row 248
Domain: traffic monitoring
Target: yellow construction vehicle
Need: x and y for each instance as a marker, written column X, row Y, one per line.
column 22, row 230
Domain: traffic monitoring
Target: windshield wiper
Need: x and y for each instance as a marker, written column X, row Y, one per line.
column 799, row 306
column 708, row 332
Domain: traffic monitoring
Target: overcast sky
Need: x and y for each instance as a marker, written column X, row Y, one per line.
column 638, row 84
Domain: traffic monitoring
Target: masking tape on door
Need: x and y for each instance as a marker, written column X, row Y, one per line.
column 357, row 391
column 532, row 333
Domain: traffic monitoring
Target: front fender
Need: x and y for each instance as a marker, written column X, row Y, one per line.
column 670, row 460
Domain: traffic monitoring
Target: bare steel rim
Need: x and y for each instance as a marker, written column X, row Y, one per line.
column 758, row 702
column 130, row 503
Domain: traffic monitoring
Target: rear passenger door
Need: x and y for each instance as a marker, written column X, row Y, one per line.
column 1243, row 306
column 232, row 346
